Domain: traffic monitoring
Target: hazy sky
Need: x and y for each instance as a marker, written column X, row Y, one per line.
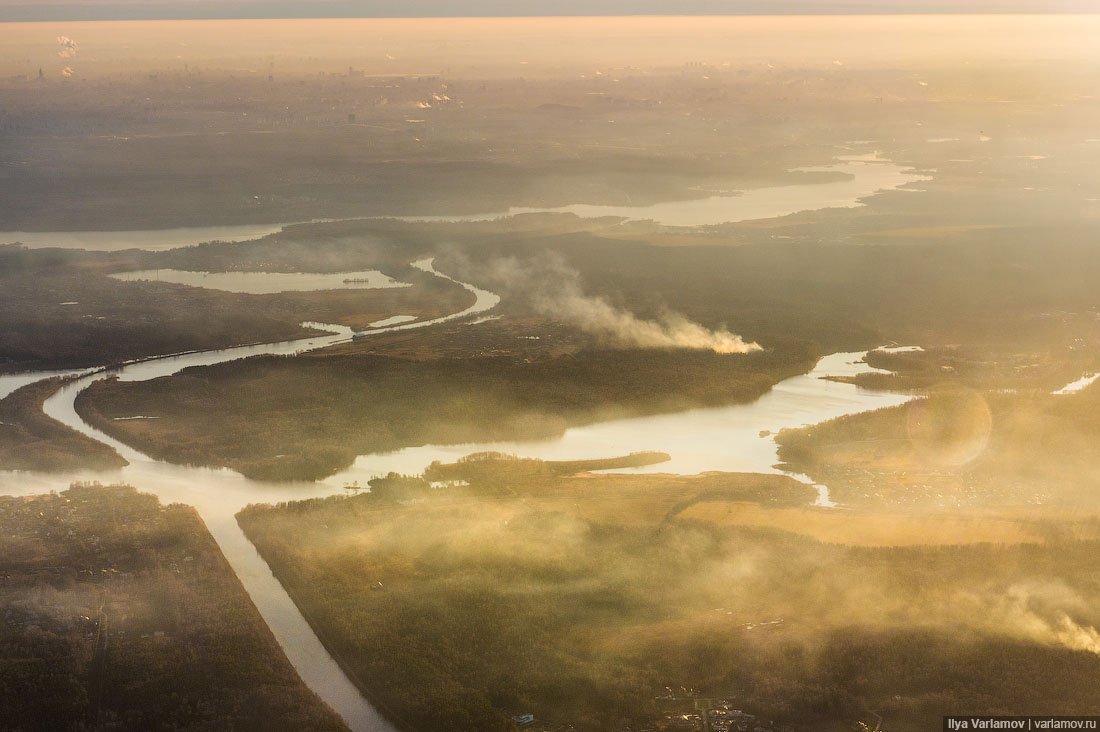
column 17, row 10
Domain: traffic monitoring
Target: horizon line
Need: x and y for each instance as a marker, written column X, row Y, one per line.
column 29, row 12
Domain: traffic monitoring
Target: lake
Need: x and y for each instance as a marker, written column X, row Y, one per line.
column 266, row 283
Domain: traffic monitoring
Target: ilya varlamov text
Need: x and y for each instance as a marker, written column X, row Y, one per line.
column 1021, row 723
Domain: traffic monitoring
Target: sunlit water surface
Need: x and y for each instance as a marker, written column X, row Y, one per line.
column 865, row 177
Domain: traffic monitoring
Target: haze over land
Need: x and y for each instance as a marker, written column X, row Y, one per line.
column 21, row 10
column 639, row 373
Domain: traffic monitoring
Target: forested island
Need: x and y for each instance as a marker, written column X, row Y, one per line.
column 300, row 418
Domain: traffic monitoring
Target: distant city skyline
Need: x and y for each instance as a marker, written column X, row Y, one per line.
column 74, row 10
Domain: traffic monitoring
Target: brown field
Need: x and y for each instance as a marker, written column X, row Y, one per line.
column 840, row 526
column 931, row 232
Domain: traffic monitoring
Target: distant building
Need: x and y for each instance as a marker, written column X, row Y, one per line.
column 686, row 722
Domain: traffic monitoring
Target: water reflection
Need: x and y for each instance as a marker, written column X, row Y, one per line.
column 737, row 438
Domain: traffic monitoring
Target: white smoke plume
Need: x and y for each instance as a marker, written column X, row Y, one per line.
column 1038, row 612
column 1077, row 637
column 67, row 71
column 554, row 290
column 69, row 47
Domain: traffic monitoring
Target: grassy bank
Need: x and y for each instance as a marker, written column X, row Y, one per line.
column 29, row 440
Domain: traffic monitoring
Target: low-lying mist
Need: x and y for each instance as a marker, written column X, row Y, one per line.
column 568, row 572
column 685, row 573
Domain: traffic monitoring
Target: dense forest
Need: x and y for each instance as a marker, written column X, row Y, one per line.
column 59, row 308
column 119, row 614
column 579, row 599
column 961, row 447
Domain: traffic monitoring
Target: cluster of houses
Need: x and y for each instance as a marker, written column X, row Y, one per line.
column 681, row 714
column 715, row 715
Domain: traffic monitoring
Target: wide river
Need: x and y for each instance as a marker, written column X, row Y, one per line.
column 721, row 438
column 864, row 176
